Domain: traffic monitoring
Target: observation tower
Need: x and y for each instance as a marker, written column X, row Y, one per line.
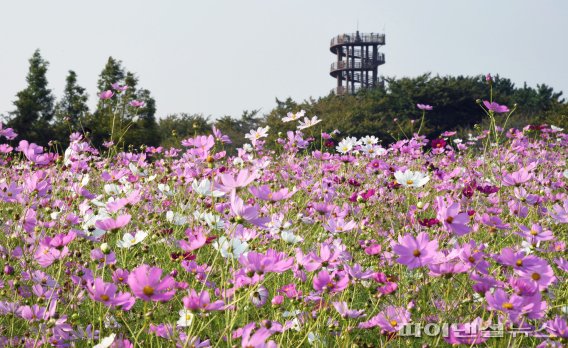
column 358, row 60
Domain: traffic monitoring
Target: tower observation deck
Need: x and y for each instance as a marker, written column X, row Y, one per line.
column 358, row 60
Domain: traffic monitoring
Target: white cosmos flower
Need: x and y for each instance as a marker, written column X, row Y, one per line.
column 105, row 342
column 344, row 146
column 214, row 221
column 369, row 140
column 307, row 123
column 409, row 178
column 238, row 162
column 290, row 237
column 373, row 150
column 112, row 189
column 556, row 129
column 205, row 188
column 185, row 318
column 294, row 116
column 166, row 190
column 565, row 173
column 260, row 132
column 247, row 148
column 129, row 240
column 230, row 247
column 176, row 218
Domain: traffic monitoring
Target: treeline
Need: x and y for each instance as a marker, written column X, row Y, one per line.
column 388, row 112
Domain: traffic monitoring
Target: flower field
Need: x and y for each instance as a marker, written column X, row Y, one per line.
column 307, row 242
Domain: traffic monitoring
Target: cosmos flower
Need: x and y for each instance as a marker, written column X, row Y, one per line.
column 106, row 95
column 416, row 252
column 185, row 318
column 294, row 116
column 205, row 188
column 345, row 312
column 129, row 240
column 334, row 282
column 497, row 108
column 145, row 283
column 137, row 104
column 105, row 342
column 307, row 123
column 392, row 319
column 424, row 107
column 254, row 135
column 409, row 178
column 201, row 302
column 233, row 248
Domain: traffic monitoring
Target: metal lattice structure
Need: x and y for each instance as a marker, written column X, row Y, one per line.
column 358, row 60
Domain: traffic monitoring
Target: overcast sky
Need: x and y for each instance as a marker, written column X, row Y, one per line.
column 220, row 57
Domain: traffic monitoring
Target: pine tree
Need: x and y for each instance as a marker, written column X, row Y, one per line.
column 71, row 111
column 34, row 105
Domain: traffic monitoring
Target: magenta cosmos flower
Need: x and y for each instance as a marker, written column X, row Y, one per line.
column 145, row 283
column 416, row 252
column 493, row 106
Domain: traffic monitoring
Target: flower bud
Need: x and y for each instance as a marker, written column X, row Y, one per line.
column 105, row 248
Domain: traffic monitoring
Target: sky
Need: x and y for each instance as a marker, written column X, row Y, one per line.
column 221, row 57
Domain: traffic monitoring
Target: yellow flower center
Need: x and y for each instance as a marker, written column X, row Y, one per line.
column 393, row 323
column 507, row 305
column 148, row 290
column 535, row 276
column 409, row 182
column 416, row 253
column 105, row 297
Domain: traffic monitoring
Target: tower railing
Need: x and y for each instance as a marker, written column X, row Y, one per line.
column 354, row 38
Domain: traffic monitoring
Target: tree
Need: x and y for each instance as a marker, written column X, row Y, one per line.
column 34, row 105
column 71, row 111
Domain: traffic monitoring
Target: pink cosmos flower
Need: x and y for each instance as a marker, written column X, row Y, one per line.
column 535, row 234
column 469, row 333
column 495, row 107
column 424, row 107
column 118, row 87
column 557, row 327
column 265, row 193
column 450, row 215
column 201, row 302
column 541, row 273
column 8, row 133
column 272, row 261
column 334, row 282
column 106, row 293
column 392, row 319
column 145, row 283
column 111, row 224
column 512, row 306
column 416, row 252
column 137, row 104
column 106, row 95
column 256, row 340
column 517, row 178
column 230, row 182
column 247, row 213
column 345, row 312
column 560, row 212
